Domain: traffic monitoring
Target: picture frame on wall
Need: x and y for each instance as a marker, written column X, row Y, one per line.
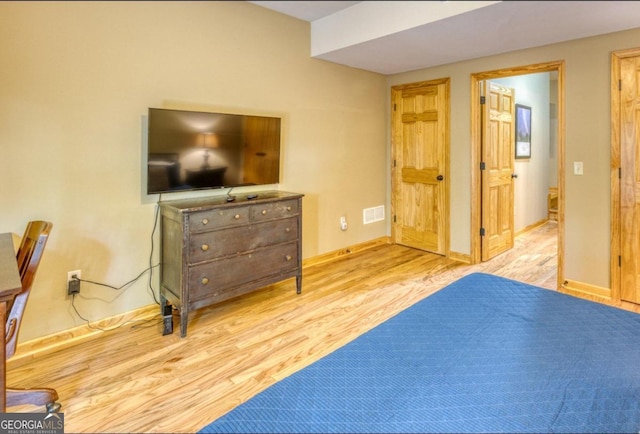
column 523, row 131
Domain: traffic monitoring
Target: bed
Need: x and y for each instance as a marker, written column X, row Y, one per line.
column 484, row 354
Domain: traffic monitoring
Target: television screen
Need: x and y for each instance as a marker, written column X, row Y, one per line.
column 189, row 150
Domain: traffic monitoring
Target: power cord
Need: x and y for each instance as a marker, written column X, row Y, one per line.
column 151, row 267
column 89, row 325
column 118, row 288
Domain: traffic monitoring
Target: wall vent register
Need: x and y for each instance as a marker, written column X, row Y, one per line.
column 372, row 215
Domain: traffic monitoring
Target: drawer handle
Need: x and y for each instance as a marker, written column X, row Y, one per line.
column 204, row 280
column 205, row 247
column 287, row 230
column 205, row 221
column 288, row 208
column 237, row 216
column 288, row 257
column 264, row 212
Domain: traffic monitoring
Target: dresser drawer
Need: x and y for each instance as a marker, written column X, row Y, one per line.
column 218, row 218
column 274, row 210
column 211, row 279
column 207, row 246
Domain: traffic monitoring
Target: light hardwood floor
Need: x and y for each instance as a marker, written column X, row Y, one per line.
column 133, row 379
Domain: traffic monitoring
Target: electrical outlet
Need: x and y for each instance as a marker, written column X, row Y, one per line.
column 73, row 282
column 343, row 223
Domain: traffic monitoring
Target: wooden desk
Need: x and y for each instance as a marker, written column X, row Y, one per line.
column 10, row 285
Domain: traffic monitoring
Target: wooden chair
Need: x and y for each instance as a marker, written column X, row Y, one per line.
column 28, row 257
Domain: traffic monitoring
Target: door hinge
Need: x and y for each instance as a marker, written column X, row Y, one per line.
column 619, row 84
column 394, row 107
column 483, row 166
column 394, row 163
column 619, row 172
column 482, row 232
column 483, row 100
column 619, row 261
column 394, row 218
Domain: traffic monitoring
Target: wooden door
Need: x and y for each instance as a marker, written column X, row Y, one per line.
column 630, row 179
column 497, row 169
column 420, row 123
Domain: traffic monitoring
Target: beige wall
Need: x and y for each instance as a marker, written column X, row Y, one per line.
column 77, row 80
column 587, row 102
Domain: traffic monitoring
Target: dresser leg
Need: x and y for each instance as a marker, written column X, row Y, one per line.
column 299, row 284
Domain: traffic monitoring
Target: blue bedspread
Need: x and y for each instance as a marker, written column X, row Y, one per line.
column 484, row 354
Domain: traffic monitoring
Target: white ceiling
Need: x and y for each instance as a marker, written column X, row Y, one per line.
column 497, row 28
column 306, row 10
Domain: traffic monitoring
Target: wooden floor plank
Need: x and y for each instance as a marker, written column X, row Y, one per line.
column 133, row 379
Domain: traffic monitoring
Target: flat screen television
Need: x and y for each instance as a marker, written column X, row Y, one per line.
column 191, row 150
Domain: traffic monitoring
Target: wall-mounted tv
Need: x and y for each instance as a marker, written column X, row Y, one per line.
column 191, row 150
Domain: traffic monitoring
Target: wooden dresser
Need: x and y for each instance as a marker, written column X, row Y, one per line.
column 212, row 250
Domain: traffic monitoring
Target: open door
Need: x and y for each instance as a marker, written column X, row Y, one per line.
column 629, row 175
column 497, row 169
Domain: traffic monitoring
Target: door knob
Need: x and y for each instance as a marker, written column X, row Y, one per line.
column 440, row 177
column 514, row 175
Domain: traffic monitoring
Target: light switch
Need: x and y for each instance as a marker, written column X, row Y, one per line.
column 577, row 168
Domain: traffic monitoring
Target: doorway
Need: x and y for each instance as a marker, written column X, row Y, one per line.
column 477, row 156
